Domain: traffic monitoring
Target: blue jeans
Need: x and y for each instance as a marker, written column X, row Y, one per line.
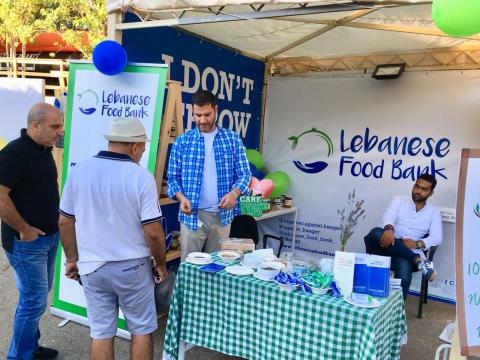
column 403, row 259
column 34, row 265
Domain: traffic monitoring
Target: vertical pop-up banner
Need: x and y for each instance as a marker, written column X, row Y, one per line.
column 467, row 256
column 93, row 100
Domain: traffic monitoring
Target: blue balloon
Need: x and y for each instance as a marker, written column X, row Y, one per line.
column 109, row 57
column 255, row 172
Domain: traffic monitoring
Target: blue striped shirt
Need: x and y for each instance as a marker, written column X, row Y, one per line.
column 185, row 169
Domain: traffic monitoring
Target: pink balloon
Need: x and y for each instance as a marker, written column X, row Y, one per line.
column 253, row 182
column 264, row 188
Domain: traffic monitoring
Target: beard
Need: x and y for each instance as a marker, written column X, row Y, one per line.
column 419, row 198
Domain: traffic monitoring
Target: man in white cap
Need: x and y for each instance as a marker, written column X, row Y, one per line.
column 109, row 228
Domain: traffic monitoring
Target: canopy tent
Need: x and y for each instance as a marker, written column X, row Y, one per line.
column 301, row 36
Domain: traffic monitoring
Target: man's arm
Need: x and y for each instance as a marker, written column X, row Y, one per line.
column 389, row 218
column 241, row 168
column 241, row 176
column 185, row 204
column 174, row 170
column 390, row 215
column 9, row 214
column 68, row 238
column 174, row 176
column 156, row 243
column 435, row 234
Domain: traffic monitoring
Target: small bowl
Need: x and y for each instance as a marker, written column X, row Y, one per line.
column 269, row 269
column 320, row 291
column 228, row 256
column 287, row 287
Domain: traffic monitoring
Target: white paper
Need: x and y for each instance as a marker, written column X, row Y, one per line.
column 343, row 270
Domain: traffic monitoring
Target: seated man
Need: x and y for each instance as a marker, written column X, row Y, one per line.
column 409, row 227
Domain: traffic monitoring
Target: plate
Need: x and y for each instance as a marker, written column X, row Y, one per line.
column 199, row 255
column 212, row 268
column 239, row 270
column 261, row 278
column 375, row 303
column 199, row 260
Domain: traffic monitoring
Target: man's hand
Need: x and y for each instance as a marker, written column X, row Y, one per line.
column 186, row 206
column 160, row 273
column 228, row 201
column 71, row 271
column 387, row 239
column 31, row 233
column 409, row 243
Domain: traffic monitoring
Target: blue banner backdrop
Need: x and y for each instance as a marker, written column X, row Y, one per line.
column 236, row 80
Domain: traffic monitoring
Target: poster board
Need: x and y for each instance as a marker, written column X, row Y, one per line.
column 93, row 100
column 17, row 96
column 467, row 255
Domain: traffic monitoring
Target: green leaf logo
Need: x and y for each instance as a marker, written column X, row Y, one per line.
column 477, row 210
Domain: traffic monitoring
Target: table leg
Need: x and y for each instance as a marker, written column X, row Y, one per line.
column 182, row 347
column 294, row 232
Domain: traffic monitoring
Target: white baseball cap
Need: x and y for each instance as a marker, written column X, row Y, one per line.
column 126, row 130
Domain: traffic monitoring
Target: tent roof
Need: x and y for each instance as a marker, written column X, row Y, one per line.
column 273, row 30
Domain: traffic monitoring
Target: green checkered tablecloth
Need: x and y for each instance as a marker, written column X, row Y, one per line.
column 254, row 319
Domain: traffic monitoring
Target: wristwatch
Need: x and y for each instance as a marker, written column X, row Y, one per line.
column 389, row 227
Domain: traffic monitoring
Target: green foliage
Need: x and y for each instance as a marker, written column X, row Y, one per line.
column 82, row 23
column 75, row 18
column 20, row 21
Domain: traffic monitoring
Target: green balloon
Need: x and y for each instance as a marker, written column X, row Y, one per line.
column 457, row 17
column 281, row 182
column 254, row 157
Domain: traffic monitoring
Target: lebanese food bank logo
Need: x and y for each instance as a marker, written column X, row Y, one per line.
column 88, row 102
column 476, row 210
column 317, row 166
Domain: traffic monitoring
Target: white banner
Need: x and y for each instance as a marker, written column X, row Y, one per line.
column 17, row 97
column 93, row 100
column 350, row 139
column 467, row 257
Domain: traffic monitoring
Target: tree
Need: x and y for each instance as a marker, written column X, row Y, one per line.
column 20, row 22
column 82, row 23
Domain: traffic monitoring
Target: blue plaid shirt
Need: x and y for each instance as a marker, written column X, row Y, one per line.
column 185, row 170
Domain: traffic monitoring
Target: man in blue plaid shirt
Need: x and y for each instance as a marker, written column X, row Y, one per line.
column 207, row 172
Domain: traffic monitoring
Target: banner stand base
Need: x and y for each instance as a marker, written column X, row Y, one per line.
column 84, row 321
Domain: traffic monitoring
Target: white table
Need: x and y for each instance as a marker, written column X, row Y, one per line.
column 283, row 211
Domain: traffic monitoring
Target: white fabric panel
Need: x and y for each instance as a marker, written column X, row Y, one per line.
column 433, row 105
column 16, row 98
column 266, row 36
column 157, row 5
column 346, row 41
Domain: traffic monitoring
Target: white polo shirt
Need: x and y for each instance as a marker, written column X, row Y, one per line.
column 110, row 197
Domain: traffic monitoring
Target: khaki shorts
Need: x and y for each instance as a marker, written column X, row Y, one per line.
column 126, row 284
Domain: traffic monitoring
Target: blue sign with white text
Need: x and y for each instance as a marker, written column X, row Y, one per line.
column 235, row 80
